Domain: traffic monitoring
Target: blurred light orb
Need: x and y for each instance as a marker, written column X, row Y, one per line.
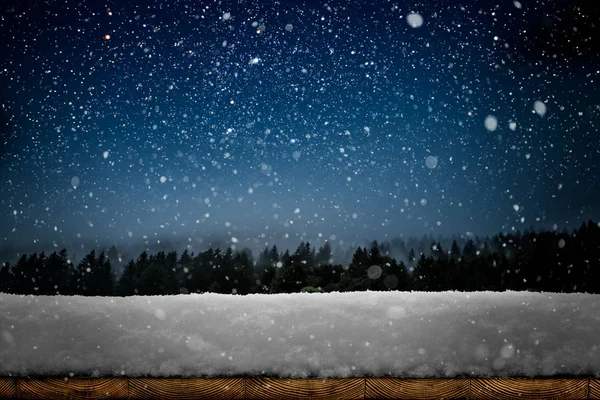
column 540, row 108
column 491, row 123
column 431, row 162
column 374, row 272
column 414, row 20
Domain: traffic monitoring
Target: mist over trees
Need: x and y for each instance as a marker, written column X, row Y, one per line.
column 537, row 261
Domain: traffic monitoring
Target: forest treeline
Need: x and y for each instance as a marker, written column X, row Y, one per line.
column 538, row 261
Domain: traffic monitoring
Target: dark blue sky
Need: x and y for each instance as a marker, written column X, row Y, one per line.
column 253, row 123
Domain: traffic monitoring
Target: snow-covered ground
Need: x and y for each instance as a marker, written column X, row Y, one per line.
column 335, row 334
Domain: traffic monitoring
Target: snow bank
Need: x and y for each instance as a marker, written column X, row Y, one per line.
column 300, row 335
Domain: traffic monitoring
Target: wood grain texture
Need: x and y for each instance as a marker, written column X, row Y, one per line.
column 282, row 388
column 594, row 390
column 187, row 388
column 523, row 388
column 400, row 388
column 8, row 387
column 72, row 388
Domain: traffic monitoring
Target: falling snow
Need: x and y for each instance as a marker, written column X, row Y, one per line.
column 170, row 111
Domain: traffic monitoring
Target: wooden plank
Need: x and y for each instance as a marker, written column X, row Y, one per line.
column 282, row 388
column 186, row 388
column 524, row 388
column 8, row 387
column 594, row 389
column 72, row 388
column 417, row 389
column 312, row 388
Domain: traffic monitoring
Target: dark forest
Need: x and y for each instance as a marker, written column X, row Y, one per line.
column 536, row 261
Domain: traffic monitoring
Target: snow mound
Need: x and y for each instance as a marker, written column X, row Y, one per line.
column 403, row 334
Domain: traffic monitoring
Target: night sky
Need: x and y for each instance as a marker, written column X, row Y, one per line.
column 271, row 122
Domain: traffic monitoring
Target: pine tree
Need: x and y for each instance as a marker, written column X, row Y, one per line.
column 274, row 255
column 105, row 278
column 82, row 278
column 360, row 263
column 56, row 274
column 185, row 259
column 263, row 265
column 324, row 255
column 375, row 257
column 268, row 274
column 114, row 257
column 223, row 271
column 455, row 252
column 396, row 277
column 305, row 255
column 470, row 250
column 154, row 279
column 243, row 272
column 130, row 279
column 425, row 276
column 127, row 283
column 172, row 268
column 21, row 276
column 412, row 258
column 290, row 277
column 201, row 275
column 93, row 276
column 183, row 272
column 6, row 279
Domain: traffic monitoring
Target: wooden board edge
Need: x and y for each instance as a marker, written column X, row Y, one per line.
column 417, row 388
column 528, row 388
column 8, row 387
column 187, row 388
column 594, row 389
column 313, row 388
column 72, row 388
column 310, row 388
